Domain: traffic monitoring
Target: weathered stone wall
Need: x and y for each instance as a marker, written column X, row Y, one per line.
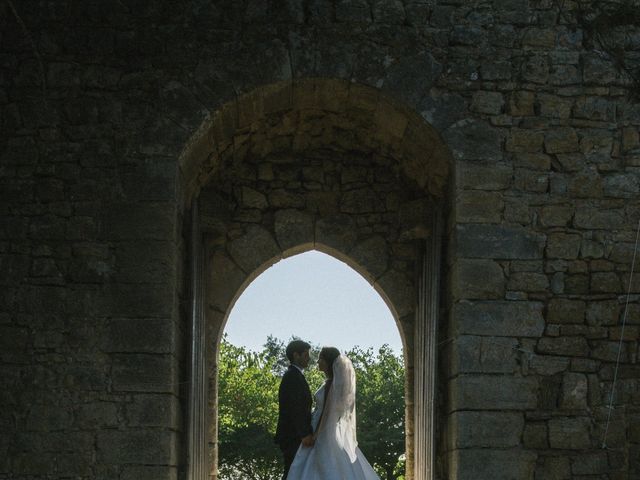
column 99, row 99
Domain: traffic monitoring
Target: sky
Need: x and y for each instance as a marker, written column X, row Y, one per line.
column 317, row 298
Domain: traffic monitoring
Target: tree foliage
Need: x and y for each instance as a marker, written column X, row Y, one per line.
column 380, row 409
column 248, row 408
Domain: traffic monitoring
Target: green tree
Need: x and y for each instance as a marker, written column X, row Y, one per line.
column 380, row 409
column 247, row 415
column 248, row 408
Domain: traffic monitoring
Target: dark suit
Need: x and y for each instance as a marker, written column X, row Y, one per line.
column 294, row 418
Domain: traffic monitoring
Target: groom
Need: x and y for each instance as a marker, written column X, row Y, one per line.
column 294, row 399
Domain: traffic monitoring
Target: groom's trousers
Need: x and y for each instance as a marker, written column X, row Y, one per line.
column 289, row 453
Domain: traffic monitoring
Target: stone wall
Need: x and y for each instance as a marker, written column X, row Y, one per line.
column 99, row 100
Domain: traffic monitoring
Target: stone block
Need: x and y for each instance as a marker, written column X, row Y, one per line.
column 475, row 354
column 13, row 227
column 547, row 364
column 474, row 140
column 92, row 376
column 605, row 282
column 622, row 252
column 561, row 140
column 48, row 418
column 149, row 472
column 583, row 330
column 599, row 218
column 498, row 318
column 591, row 249
column 13, row 339
column 473, row 206
column 544, row 38
column 570, row 433
column 97, row 415
column 135, row 335
column 554, row 106
column 563, row 310
column 390, row 12
column 535, row 436
column 83, row 228
column 507, row 464
column 31, row 463
column 633, row 429
column 414, row 217
column 362, row 200
column 498, row 242
column 556, row 215
column 139, row 221
column 253, row 199
column 621, row 185
column 337, row 232
column 496, row 70
column 569, row 346
column 151, row 261
column 630, row 139
column 154, row 410
column 47, row 227
column 536, row 69
column 532, row 161
column 528, row 282
column 563, row 245
column 594, row 108
column 597, row 70
column 143, row 373
column 293, row 229
column 607, row 351
column 74, row 465
column 225, row 281
column 284, row 199
column 490, row 103
column 485, row 429
column 553, row 468
column 147, row 447
column 597, row 145
column 564, row 57
column 531, row 181
column 576, row 284
column 564, row 75
column 574, row 391
column 584, row 365
column 399, row 291
column 490, row 392
column 591, row 463
column 521, row 103
column 477, row 279
column 372, row 255
column 254, row 250
column 134, row 300
column 524, row 141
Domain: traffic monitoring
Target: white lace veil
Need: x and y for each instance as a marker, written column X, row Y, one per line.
column 339, row 417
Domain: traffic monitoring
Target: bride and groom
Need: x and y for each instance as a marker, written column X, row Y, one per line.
column 320, row 445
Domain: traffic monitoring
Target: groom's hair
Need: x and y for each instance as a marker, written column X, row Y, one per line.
column 296, row 346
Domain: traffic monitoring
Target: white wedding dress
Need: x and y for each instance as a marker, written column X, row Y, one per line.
column 335, row 454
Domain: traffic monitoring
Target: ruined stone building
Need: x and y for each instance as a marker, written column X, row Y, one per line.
column 476, row 160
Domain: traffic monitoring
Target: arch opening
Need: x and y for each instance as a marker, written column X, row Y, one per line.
column 287, row 169
column 327, row 303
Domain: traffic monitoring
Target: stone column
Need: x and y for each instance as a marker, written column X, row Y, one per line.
column 426, row 356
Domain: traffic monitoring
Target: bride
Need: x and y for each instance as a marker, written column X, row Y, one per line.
column 335, row 454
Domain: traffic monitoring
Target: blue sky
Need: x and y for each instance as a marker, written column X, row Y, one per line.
column 316, row 297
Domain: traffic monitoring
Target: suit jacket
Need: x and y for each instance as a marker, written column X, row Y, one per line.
column 294, row 400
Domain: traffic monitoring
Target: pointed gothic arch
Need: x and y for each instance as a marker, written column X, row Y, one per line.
column 326, row 165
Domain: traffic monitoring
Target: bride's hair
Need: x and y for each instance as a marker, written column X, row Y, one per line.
column 329, row 354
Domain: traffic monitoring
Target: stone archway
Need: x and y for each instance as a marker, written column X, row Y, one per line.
column 317, row 164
